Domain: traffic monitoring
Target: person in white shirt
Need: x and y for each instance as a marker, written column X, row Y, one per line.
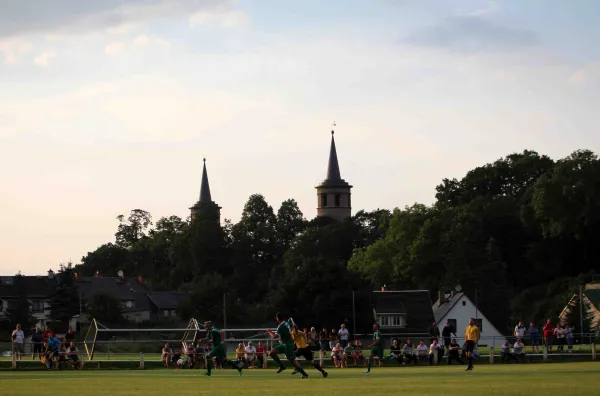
column 18, row 340
column 520, row 330
column 518, row 350
column 435, row 348
column 422, row 350
column 250, row 354
column 344, row 335
column 336, row 355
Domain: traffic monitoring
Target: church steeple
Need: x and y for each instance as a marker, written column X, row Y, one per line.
column 205, row 205
column 334, row 192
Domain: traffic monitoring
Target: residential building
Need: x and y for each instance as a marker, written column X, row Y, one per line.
column 402, row 313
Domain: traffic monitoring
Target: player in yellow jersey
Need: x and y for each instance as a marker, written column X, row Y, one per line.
column 303, row 349
column 472, row 334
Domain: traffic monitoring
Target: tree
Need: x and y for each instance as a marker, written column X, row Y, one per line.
column 133, row 229
column 19, row 312
column 107, row 259
column 105, row 308
column 64, row 301
column 290, row 223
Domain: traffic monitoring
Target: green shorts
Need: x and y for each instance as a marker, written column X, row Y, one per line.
column 377, row 351
column 287, row 350
column 220, row 352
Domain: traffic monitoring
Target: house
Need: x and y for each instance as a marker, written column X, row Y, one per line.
column 164, row 304
column 38, row 289
column 458, row 309
column 590, row 296
column 402, row 313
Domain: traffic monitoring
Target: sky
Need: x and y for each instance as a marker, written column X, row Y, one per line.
column 110, row 106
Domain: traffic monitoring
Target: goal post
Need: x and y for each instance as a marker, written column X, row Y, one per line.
column 89, row 342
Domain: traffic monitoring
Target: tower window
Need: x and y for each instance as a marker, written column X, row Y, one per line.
column 337, row 200
column 323, row 200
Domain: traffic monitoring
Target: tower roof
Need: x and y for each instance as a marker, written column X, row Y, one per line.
column 334, row 178
column 204, row 187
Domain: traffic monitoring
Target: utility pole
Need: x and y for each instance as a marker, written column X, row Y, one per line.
column 224, row 312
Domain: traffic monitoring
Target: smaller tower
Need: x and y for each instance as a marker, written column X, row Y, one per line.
column 205, row 205
column 333, row 194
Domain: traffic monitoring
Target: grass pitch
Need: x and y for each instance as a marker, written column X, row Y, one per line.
column 579, row 379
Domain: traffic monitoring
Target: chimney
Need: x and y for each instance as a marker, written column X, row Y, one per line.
column 97, row 275
column 140, row 280
column 50, row 274
column 383, row 288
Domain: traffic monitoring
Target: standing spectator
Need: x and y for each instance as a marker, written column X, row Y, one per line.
column 344, row 335
column 447, row 332
column 548, row 330
column 358, row 353
column 533, row 334
column 18, row 340
column 251, row 354
column 434, row 332
column 37, row 341
column 569, row 336
column 408, row 351
column 70, row 336
column 518, row 351
column 559, row 337
column 520, row 330
column 260, row 353
column 333, row 339
column 323, row 341
column 422, row 350
column 313, row 338
column 454, row 352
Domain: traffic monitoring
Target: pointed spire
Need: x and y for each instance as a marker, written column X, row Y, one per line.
column 333, row 168
column 204, row 187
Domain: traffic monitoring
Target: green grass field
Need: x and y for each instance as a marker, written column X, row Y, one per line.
column 580, row 379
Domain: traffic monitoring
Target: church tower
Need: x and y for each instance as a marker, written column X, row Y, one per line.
column 333, row 194
column 206, row 207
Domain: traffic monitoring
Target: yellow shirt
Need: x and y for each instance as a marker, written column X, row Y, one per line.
column 239, row 352
column 472, row 333
column 299, row 338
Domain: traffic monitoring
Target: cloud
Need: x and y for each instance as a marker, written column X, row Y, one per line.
column 44, row 58
column 471, row 34
column 141, row 41
column 21, row 17
column 587, row 75
column 114, row 48
column 225, row 18
column 490, row 8
column 12, row 49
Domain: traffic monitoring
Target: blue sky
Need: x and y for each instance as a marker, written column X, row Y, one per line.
column 110, row 106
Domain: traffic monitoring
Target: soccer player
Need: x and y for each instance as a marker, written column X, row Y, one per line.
column 52, row 352
column 219, row 350
column 303, row 350
column 472, row 334
column 285, row 346
column 376, row 348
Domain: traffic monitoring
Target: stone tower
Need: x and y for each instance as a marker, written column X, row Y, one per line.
column 333, row 194
column 205, row 206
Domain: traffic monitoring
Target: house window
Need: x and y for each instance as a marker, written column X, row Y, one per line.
column 464, row 303
column 323, row 200
column 166, row 313
column 337, row 200
column 392, row 320
column 37, row 306
column 453, row 324
column 479, row 323
column 173, row 313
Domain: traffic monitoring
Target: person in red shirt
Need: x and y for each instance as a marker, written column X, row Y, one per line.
column 260, row 354
column 548, row 334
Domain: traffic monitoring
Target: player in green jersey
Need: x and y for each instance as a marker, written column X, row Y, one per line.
column 285, row 346
column 376, row 347
column 219, row 350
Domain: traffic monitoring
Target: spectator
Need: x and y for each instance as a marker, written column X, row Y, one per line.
column 251, row 354
column 336, row 355
column 18, row 341
column 408, row 351
column 313, row 338
column 37, row 341
column 166, row 355
column 52, row 351
column 569, row 336
column 199, row 358
column 344, row 335
column 434, row 332
column 69, row 336
column 323, row 341
column 520, row 329
column 348, row 354
column 176, row 357
column 447, row 332
column 433, row 349
column 548, row 330
column 533, row 334
column 422, row 350
column 559, row 337
column 73, row 356
column 396, row 352
column 240, row 352
column 358, row 354
column 62, row 357
column 505, row 353
column 454, row 352
column 518, row 350
column 333, row 339
column 190, row 353
column 260, row 353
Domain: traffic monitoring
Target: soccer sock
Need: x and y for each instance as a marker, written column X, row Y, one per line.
column 208, row 365
column 369, row 364
column 470, row 361
column 233, row 364
column 317, row 366
column 277, row 360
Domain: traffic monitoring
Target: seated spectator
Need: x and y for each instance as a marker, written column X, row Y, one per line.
column 454, row 352
column 190, row 355
column 73, row 356
column 395, row 352
column 435, row 348
column 409, row 352
column 166, row 355
column 324, row 341
column 240, row 352
column 348, row 354
column 176, row 357
column 250, row 354
column 199, row 358
column 422, row 350
column 518, row 352
column 336, row 355
column 505, row 354
column 62, row 358
column 260, row 354
column 358, row 354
